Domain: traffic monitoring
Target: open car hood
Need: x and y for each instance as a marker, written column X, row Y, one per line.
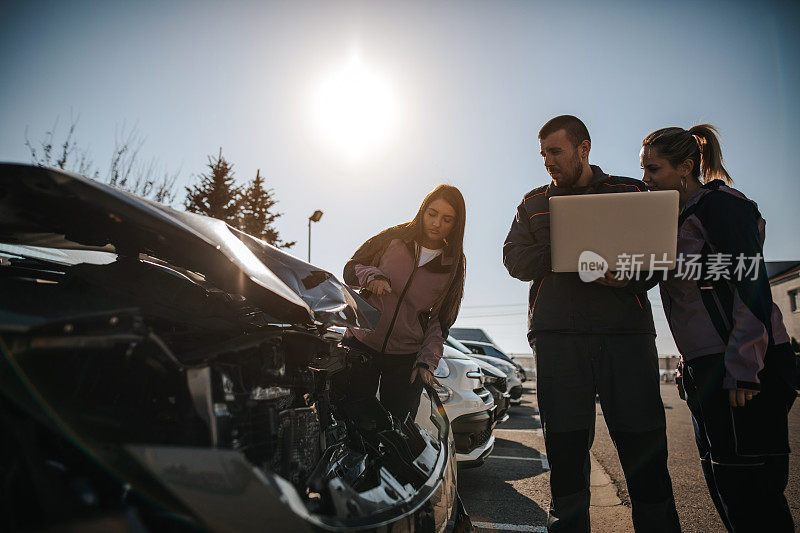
column 57, row 209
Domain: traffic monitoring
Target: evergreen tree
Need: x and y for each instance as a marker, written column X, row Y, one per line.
column 256, row 215
column 217, row 195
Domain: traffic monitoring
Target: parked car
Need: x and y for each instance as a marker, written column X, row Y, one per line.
column 494, row 380
column 162, row 370
column 667, row 375
column 513, row 383
column 486, row 348
column 468, row 404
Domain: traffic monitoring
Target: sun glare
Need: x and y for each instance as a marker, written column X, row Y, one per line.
column 355, row 109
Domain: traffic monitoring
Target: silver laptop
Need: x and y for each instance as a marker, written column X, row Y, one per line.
column 614, row 226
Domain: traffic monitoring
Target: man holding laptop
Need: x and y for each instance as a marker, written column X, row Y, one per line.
column 590, row 338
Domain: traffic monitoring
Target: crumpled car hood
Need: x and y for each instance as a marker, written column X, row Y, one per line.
column 58, row 209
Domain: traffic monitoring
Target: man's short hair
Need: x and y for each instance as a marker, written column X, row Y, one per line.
column 575, row 128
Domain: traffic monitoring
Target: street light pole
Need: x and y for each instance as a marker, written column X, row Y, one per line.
column 313, row 218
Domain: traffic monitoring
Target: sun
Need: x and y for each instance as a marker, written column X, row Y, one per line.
column 355, row 109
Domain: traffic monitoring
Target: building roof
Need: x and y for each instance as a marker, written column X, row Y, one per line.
column 776, row 268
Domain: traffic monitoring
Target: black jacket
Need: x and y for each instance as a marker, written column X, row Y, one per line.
column 561, row 302
column 732, row 313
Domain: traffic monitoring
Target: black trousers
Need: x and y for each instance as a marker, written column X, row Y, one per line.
column 744, row 451
column 390, row 373
column 572, row 370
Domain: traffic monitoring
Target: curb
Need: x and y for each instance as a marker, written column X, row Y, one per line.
column 604, row 492
column 608, row 513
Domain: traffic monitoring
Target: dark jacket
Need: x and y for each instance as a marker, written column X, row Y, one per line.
column 733, row 316
column 408, row 323
column 561, row 302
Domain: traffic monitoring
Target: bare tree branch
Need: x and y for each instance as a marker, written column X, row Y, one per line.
column 125, row 171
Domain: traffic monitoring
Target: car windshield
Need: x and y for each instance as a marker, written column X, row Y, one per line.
column 490, row 350
column 495, row 351
column 455, row 343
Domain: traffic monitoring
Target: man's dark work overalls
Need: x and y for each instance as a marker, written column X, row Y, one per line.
column 592, row 341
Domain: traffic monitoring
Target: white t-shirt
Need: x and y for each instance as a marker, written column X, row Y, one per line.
column 426, row 255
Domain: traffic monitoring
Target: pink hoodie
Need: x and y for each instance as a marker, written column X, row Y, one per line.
column 406, row 324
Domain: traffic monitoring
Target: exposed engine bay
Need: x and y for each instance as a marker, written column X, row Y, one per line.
column 136, row 356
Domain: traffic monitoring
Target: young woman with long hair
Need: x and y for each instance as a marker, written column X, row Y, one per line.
column 737, row 369
column 414, row 274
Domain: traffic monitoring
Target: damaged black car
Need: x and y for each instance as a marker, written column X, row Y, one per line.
column 161, row 370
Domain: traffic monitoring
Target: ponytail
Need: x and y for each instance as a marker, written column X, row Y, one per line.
column 700, row 144
column 710, row 153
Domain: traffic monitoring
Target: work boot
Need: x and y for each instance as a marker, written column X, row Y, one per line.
column 569, row 514
column 661, row 517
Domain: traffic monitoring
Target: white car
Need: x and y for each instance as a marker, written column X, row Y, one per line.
column 487, row 348
column 494, row 380
column 468, row 404
column 513, row 382
column 513, row 377
column 668, row 375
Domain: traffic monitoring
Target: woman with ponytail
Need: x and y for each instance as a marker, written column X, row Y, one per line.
column 737, row 370
column 414, row 274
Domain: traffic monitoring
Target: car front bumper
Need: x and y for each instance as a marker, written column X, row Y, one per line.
column 501, row 414
column 515, row 393
column 472, row 432
column 477, row 456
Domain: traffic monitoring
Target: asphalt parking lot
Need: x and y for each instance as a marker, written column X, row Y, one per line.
column 510, row 492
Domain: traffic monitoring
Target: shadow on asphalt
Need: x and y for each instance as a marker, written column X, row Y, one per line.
column 502, row 490
column 522, row 416
column 508, row 447
column 495, row 492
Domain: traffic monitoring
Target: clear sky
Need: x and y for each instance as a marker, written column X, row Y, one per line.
column 452, row 92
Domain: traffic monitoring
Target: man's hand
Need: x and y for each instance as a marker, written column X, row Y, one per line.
column 379, row 287
column 425, row 375
column 610, row 280
column 738, row 397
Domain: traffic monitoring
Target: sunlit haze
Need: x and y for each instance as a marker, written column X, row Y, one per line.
column 360, row 108
column 354, row 108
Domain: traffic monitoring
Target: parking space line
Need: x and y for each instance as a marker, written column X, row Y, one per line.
column 515, row 458
column 509, row 527
column 537, row 431
column 542, row 459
